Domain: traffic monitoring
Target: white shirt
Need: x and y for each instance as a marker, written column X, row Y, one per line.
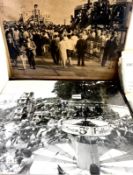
column 26, row 34
column 70, row 44
column 16, row 35
column 74, row 38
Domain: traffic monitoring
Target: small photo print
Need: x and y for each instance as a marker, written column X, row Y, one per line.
column 61, row 129
column 65, row 39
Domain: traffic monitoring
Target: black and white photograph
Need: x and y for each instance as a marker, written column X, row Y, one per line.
column 65, row 128
column 65, row 39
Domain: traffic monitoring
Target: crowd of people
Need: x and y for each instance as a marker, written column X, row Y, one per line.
column 94, row 14
column 62, row 44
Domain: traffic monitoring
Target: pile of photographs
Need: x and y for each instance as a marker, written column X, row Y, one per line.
column 77, row 122
column 36, row 137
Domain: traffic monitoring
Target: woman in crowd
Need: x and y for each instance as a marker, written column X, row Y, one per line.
column 63, row 50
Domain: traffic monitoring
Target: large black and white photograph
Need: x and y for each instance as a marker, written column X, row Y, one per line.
column 64, row 39
column 65, row 128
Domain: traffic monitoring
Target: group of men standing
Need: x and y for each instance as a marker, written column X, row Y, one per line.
column 63, row 49
column 21, row 48
column 27, row 45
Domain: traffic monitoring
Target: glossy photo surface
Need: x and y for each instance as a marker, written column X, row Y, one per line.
column 54, row 131
column 65, row 39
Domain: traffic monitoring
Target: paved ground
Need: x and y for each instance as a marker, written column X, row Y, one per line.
column 45, row 69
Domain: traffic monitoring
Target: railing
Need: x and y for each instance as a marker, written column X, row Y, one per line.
column 95, row 49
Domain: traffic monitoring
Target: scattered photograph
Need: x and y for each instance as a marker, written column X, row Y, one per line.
column 67, row 39
column 70, row 128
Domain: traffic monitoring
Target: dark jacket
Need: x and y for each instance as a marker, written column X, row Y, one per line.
column 81, row 47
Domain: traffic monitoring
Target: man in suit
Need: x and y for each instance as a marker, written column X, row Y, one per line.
column 81, row 47
column 54, row 48
column 110, row 50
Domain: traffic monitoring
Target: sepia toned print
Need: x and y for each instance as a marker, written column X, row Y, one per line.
column 65, row 39
column 54, row 131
